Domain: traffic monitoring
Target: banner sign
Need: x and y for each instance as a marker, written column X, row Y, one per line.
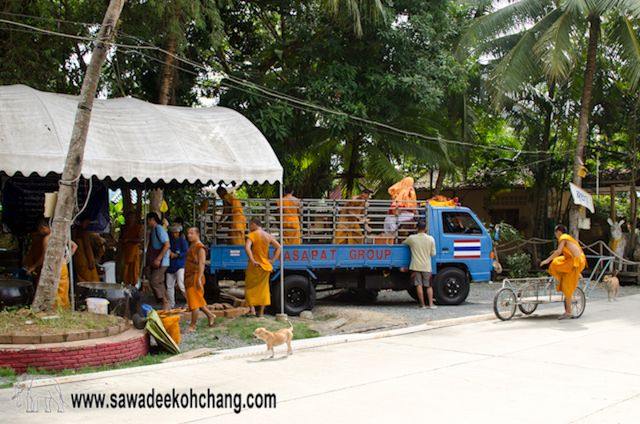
column 581, row 197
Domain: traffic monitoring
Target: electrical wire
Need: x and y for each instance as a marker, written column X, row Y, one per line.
column 284, row 97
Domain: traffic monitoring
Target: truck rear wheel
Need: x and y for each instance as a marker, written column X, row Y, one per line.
column 299, row 295
column 451, row 286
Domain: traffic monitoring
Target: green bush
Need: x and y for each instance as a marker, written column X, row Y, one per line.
column 519, row 264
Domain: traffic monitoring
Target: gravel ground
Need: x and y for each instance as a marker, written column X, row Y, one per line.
column 399, row 306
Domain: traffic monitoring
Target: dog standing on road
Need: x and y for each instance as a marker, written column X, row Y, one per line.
column 276, row 338
column 612, row 283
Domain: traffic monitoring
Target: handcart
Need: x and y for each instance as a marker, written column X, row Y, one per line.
column 528, row 293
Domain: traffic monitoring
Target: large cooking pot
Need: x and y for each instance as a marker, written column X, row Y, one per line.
column 16, row 292
column 116, row 294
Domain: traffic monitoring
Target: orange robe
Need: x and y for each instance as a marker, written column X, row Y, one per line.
column 62, row 296
column 256, row 280
column 567, row 269
column 236, row 220
column 35, row 252
column 195, row 296
column 290, row 223
column 348, row 229
column 403, row 193
column 81, row 261
column 131, row 255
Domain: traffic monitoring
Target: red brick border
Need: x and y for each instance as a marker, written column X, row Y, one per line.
column 127, row 346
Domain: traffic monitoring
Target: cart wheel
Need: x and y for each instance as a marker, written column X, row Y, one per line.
column 578, row 302
column 504, row 304
column 529, row 295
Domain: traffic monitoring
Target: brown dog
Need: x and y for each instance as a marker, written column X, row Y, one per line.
column 612, row 283
column 275, row 339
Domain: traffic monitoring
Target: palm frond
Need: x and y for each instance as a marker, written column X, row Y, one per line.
column 555, row 47
column 501, row 22
column 623, row 33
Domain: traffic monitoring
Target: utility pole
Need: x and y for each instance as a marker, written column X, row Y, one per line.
column 50, row 276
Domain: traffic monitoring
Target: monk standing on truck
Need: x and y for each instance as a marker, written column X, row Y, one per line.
column 234, row 214
column 348, row 230
column 566, row 267
column 256, row 280
column 290, row 217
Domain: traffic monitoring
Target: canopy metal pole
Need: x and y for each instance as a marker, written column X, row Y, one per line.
column 283, row 316
column 70, row 270
column 144, row 242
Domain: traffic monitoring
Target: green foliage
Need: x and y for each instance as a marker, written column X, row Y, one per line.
column 519, row 264
column 115, row 216
column 181, row 202
column 506, row 232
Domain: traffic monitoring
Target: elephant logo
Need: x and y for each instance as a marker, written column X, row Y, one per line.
column 47, row 394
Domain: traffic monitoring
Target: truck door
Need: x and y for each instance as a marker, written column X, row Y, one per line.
column 461, row 238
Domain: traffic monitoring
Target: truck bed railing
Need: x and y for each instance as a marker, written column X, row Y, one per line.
column 320, row 221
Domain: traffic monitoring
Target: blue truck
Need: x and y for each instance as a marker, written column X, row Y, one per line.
column 376, row 260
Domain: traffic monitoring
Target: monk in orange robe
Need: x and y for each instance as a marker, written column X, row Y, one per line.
column 35, row 251
column 194, row 279
column 290, row 217
column 234, row 214
column 131, row 237
column 84, row 260
column 567, row 262
column 348, row 229
column 256, row 280
column 404, row 206
column 62, row 295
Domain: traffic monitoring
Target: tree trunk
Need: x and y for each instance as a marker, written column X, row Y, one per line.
column 439, row 183
column 50, row 277
column 585, row 108
column 541, row 184
column 168, row 73
column 633, row 207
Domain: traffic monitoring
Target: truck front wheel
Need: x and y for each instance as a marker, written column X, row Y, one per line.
column 299, row 295
column 451, row 286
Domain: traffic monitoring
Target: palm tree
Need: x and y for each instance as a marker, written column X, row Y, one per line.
column 545, row 37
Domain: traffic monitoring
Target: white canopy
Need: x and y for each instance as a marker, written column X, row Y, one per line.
column 133, row 140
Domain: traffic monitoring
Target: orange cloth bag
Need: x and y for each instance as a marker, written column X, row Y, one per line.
column 172, row 325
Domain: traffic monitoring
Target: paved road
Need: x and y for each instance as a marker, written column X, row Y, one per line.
column 480, row 301
column 528, row 370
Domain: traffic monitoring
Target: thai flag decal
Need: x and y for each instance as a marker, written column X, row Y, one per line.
column 466, row 249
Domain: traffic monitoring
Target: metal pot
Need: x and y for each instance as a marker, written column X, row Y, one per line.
column 116, row 294
column 16, row 292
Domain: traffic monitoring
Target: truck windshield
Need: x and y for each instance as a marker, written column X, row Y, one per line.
column 460, row 223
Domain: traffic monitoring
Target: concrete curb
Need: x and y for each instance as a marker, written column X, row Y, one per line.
column 259, row 350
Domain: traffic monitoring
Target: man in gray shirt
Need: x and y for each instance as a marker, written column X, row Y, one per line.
column 423, row 247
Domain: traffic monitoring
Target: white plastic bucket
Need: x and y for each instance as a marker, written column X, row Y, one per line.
column 97, row 305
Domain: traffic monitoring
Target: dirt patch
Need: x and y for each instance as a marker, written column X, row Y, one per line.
column 332, row 320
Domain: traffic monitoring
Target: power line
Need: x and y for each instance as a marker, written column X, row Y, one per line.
column 269, row 93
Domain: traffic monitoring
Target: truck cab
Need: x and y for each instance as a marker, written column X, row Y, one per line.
column 374, row 259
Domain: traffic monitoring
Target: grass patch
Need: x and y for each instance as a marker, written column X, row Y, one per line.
column 327, row 317
column 237, row 332
column 24, row 321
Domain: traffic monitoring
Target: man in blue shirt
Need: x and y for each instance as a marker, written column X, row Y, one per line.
column 158, row 258
column 175, row 272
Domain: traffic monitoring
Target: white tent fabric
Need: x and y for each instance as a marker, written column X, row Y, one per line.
column 133, row 140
